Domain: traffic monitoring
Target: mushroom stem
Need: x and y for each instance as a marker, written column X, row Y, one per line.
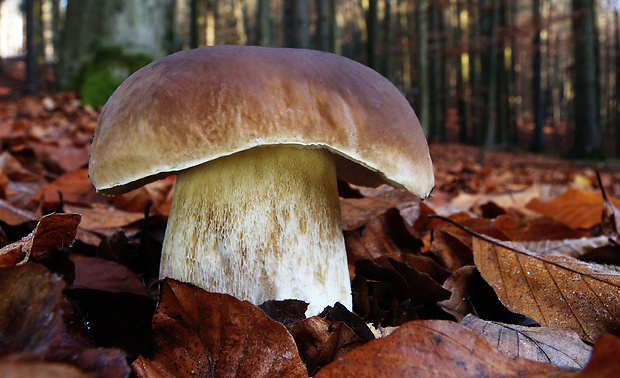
column 260, row 224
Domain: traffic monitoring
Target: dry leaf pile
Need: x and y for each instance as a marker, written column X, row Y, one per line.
column 510, row 269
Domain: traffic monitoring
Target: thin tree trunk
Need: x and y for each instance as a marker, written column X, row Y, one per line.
column 491, row 120
column 372, row 30
column 538, row 144
column 322, row 25
column 436, row 73
column 462, row 79
column 587, row 133
column 389, row 39
column 404, row 42
column 32, row 72
column 333, row 27
column 617, row 86
column 297, row 23
column 424, row 108
column 264, row 23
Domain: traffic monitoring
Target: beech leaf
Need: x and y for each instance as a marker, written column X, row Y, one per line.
column 51, row 233
column 556, row 292
column 431, row 347
column 561, row 348
column 211, row 334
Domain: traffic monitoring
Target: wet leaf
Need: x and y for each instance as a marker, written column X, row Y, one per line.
column 561, row 348
column 556, row 292
column 431, row 347
column 208, row 334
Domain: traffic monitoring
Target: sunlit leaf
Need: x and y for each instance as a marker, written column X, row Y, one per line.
column 556, row 292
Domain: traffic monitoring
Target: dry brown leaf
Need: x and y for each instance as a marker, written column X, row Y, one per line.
column 209, row 334
column 561, row 348
column 51, row 233
column 569, row 248
column 14, row 216
column 604, row 360
column 383, row 235
column 431, row 347
column 30, row 317
column 576, row 208
column 104, row 217
column 321, row 341
column 556, row 292
column 100, row 274
column 358, row 211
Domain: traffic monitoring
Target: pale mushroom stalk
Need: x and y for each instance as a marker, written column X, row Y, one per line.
column 260, row 224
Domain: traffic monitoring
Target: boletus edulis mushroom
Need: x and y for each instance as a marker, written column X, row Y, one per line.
column 257, row 138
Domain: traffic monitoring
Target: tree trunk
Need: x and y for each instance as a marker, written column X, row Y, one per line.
column 424, row 108
column 322, row 25
column 138, row 26
column 264, row 23
column 437, row 73
column 33, row 50
column 297, row 23
column 491, row 119
column 389, row 39
column 538, row 144
column 587, row 133
column 372, row 30
column 333, row 27
column 462, row 79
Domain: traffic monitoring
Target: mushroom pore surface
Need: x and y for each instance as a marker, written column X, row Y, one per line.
column 260, row 224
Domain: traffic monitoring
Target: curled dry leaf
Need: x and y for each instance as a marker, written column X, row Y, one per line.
column 557, row 292
column 561, row 348
column 52, row 232
column 431, row 347
column 210, row 334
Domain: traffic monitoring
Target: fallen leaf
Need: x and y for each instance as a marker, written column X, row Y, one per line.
column 30, row 317
column 604, row 360
column 576, row 208
column 358, row 211
column 557, row 292
column 383, row 235
column 100, row 274
column 431, row 347
column 52, row 232
column 210, row 334
column 321, row 341
column 561, row 348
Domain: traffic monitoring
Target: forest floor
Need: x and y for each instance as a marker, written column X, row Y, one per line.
column 444, row 278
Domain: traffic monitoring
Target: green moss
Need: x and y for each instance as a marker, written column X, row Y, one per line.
column 97, row 79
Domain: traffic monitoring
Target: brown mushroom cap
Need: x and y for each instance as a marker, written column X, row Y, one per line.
column 198, row 105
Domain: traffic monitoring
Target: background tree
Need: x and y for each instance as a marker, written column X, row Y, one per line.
column 137, row 26
column 587, row 132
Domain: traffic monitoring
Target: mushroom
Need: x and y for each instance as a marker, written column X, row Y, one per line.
column 257, row 138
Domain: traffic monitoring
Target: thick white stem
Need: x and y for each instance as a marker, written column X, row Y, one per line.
column 260, row 224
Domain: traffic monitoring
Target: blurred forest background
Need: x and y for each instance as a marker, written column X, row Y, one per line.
column 538, row 75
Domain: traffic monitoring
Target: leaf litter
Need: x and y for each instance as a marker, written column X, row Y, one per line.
column 98, row 306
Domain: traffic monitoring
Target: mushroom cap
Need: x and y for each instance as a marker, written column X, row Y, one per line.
column 198, row 105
